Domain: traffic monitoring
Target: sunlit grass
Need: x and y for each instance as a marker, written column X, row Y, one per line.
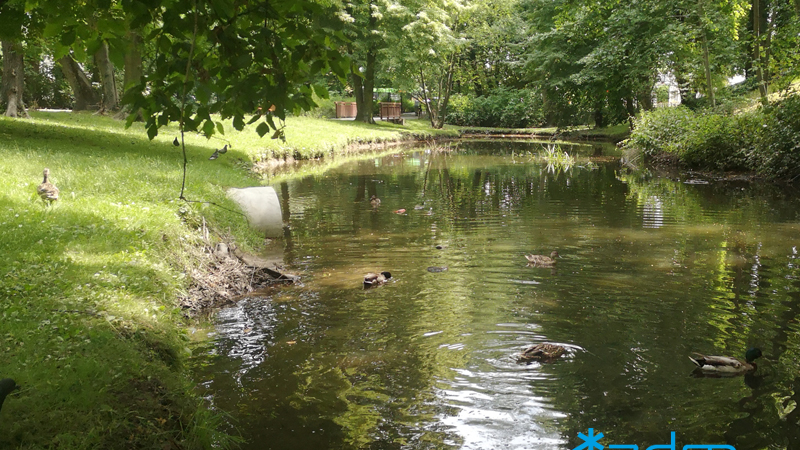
column 91, row 329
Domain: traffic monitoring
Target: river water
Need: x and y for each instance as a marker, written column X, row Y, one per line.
column 652, row 268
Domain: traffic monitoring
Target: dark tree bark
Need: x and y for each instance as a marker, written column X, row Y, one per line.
column 369, row 86
column 85, row 97
column 107, row 81
column 13, row 80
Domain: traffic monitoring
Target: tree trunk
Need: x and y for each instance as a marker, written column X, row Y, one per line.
column 133, row 61
column 707, row 67
column 599, row 118
column 369, row 87
column 426, row 100
column 358, row 91
column 133, row 70
column 762, row 84
column 444, row 94
column 107, row 81
column 13, row 80
column 85, row 96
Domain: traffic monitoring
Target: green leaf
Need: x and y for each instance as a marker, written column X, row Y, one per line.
column 220, row 128
column 262, row 129
column 208, row 128
column 224, row 8
column 68, row 38
column 321, row 91
column 152, row 131
column 238, row 122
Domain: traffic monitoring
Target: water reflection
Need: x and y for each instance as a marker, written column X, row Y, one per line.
column 651, row 270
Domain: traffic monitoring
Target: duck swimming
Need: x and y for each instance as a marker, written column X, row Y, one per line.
column 376, row 279
column 542, row 352
column 726, row 365
column 541, row 260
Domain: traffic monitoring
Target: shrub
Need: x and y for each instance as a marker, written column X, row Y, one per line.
column 777, row 154
column 503, row 109
column 700, row 139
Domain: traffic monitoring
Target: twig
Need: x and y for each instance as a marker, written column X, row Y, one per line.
column 212, row 203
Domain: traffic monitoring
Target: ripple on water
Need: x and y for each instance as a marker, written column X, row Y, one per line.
column 496, row 402
column 244, row 331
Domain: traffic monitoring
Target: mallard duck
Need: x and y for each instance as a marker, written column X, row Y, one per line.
column 726, row 365
column 374, row 201
column 47, row 190
column 541, row 260
column 542, row 352
column 7, row 385
column 375, row 279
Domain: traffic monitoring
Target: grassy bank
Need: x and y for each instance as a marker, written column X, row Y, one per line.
column 91, row 330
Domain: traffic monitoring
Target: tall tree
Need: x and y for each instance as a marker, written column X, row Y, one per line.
column 426, row 48
column 365, row 43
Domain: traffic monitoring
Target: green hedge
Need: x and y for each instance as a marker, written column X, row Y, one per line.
column 763, row 140
column 501, row 109
column 777, row 154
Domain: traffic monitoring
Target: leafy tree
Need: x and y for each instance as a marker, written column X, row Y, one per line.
column 427, row 41
column 238, row 60
column 365, row 40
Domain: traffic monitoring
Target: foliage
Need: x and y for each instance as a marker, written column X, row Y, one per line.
column 45, row 86
column 503, row 108
column 222, row 57
column 778, row 151
column 763, row 140
column 700, row 139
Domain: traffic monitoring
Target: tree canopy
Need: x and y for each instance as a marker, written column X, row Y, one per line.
column 201, row 63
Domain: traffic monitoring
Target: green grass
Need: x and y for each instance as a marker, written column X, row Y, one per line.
column 89, row 286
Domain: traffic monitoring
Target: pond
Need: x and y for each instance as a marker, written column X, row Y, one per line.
column 652, row 268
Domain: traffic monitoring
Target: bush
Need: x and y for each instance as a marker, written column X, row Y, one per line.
column 502, row 109
column 700, row 139
column 777, row 154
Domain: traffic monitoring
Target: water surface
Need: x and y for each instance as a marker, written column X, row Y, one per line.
column 652, row 269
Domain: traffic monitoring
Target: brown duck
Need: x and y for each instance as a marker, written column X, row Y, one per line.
column 542, row 260
column 376, row 279
column 47, row 190
column 374, row 201
column 542, row 352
